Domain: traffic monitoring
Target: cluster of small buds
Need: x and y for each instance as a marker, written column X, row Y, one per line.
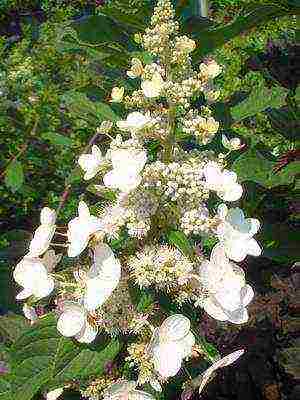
column 112, row 218
column 139, row 356
column 183, row 46
column 159, row 266
column 196, row 221
column 157, row 38
column 204, row 129
column 95, row 388
column 209, row 70
column 136, row 99
column 22, row 71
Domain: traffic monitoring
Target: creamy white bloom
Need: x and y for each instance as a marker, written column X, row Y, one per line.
column 236, row 232
column 224, row 183
column 91, row 163
column 54, row 394
column 73, row 322
column 170, row 344
column 153, row 88
column 127, row 165
column 125, row 390
column 135, row 121
column 117, row 94
column 80, row 230
column 228, row 293
column 102, row 278
column 231, row 144
column 223, row 362
column 43, row 234
column 33, row 275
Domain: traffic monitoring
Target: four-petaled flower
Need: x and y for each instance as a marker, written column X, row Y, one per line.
column 80, row 230
column 231, row 144
column 236, row 232
column 224, row 183
column 33, row 274
column 91, row 163
column 127, row 165
column 43, row 234
column 228, row 294
column 170, row 344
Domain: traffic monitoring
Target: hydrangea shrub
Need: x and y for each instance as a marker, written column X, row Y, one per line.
column 172, row 229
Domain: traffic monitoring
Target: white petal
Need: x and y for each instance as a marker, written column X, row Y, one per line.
column 247, row 294
column 167, row 359
column 41, row 240
column 214, row 310
column 83, row 210
column 72, row 320
column 48, row 216
column 253, row 248
column 236, row 250
column 225, row 361
column 54, row 394
column 187, row 344
column 76, row 247
column 44, row 288
column 231, row 193
column 155, row 384
column 88, row 334
column 139, row 395
column 175, row 327
column 24, row 294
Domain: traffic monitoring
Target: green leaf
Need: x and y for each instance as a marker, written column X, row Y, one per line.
column 12, row 326
column 57, row 139
column 212, row 38
column 179, row 240
column 259, row 100
column 42, row 355
column 5, row 387
column 14, row 176
column 285, row 122
column 253, row 166
column 80, row 104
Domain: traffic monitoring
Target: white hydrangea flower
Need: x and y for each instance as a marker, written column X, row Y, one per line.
column 170, row 344
column 91, row 163
column 54, row 394
column 231, row 144
column 73, row 322
column 80, row 230
column 152, row 88
column 135, row 121
column 236, row 232
column 224, row 183
column 125, row 390
column 127, row 165
column 136, row 69
column 223, row 362
column 228, row 293
column 43, row 234
column 102, row 278
column 33, row 275
column 117, row 94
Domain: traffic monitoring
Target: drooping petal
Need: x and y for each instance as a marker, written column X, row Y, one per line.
column 214, row 309
column 253, row 248
column 225, row 361
column 247, row 295
column 187, row 344
column 54, row 394
column 44, row 288
column 24, row 294
column 140, row 395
